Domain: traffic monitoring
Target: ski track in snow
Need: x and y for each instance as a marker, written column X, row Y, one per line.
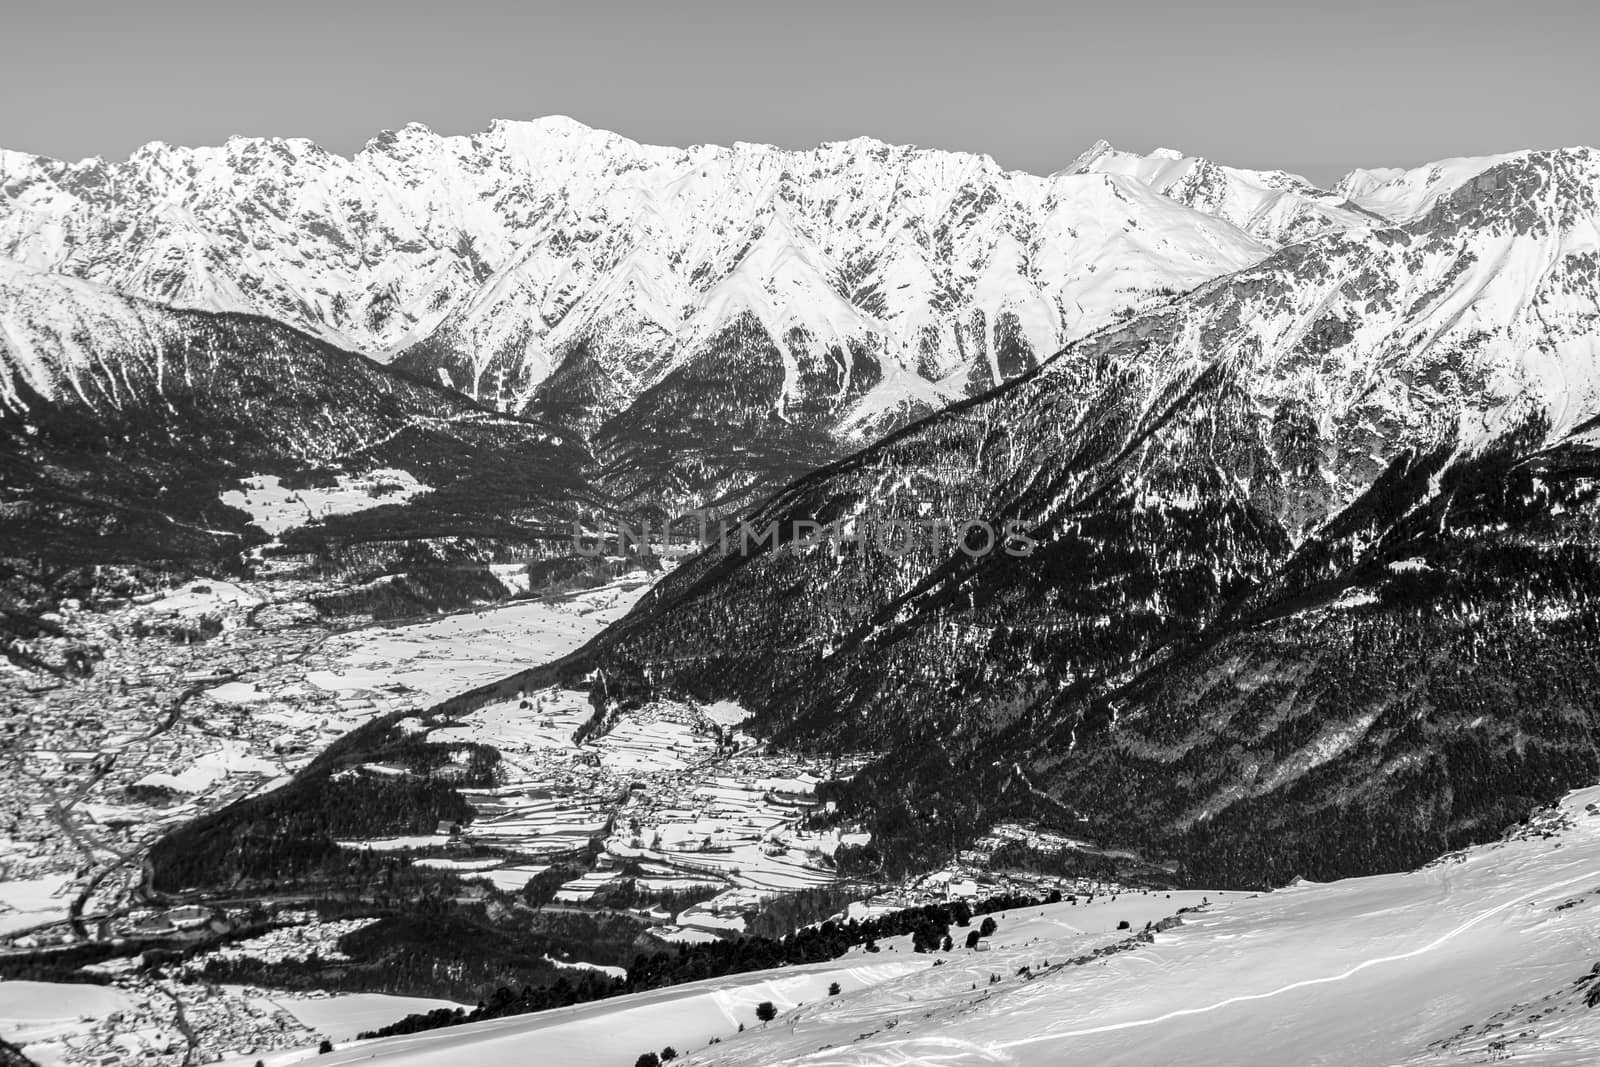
column 1242, row 998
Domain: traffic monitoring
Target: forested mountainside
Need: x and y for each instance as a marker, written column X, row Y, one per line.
column 815, row 299
column 1314, row 553
column 122, row 423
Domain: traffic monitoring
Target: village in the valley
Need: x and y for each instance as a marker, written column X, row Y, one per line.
column 211, row 691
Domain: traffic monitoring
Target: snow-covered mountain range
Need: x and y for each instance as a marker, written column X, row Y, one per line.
column 715, row 321
column 486, row 260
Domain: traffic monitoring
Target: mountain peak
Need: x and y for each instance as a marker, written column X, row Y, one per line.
column 561, row 124
column 555, row 127
column 1401, row 195
column 1086, row 159
column 410, row 133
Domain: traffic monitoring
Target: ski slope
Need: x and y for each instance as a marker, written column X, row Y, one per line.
column 1477, row 956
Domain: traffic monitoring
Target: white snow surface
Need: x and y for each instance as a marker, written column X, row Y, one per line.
column 41, row 1011
column 442, row 657
column 1273, row 206
column 275, row 508
column 1399, row 194
column 499, row 253
column 344, row 1015
column 1480, row 320
column 26, row 902
column 230, row 757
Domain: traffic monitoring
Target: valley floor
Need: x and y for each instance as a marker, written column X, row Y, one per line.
column 167, row 729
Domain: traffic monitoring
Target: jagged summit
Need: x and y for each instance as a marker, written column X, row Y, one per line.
column 1086, row 158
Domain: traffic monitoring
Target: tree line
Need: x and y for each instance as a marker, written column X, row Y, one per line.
column 928, row 925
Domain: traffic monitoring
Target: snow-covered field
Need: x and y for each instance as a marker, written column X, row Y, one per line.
column 55, row 1021
column 438, row 659
column 230, row 757
column 697, row 805
column 44, row 1011
column 692, row 812
column 342, row 1016
column 31, row 901
column 276, row 508
column 202, row 598
column 1486, row 954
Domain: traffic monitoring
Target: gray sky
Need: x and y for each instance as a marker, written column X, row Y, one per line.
column 1314, row 87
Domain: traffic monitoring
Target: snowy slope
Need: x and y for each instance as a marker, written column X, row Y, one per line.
column 1399, row 194
column 1483, row 311
column 487, row 262
column 926, row 261
column 55, row 333
column 1482, row 951
column 1485, row 953
column 1273, row 206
